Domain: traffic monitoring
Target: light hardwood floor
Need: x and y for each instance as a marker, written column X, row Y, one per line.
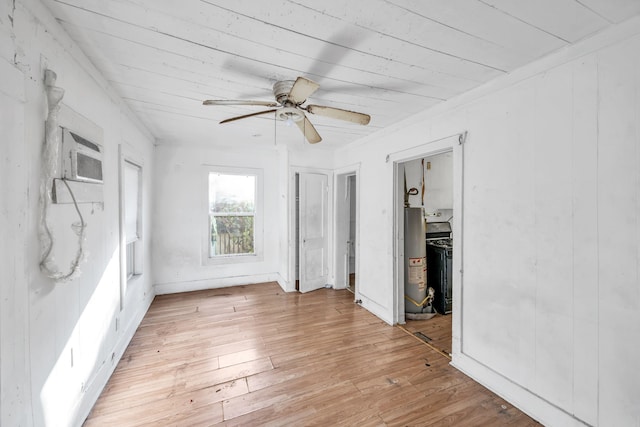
column 255, row 355
column 436, row 332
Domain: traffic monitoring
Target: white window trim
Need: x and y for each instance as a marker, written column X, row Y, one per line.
column 126, row 155
column 258, row 217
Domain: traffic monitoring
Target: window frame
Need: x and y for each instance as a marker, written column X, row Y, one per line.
column 137, row 260
column 127, row 155
column 258, row 217
column 130, row 260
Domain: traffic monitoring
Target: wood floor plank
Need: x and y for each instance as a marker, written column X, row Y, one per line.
column 202, row 417
column 437, row 329
column 130, row 413
column 255, row 355
column 242, row 356
column 237, row 371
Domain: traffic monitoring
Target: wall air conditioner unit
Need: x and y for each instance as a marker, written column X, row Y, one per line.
column 81, row 166
column 81, row 158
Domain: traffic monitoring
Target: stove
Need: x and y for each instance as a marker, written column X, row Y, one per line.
column 438, row 230
column 439, row 245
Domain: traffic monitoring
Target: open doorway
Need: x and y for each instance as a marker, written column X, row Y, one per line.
column 351, row 242
column 346, row 236
column 425, row 184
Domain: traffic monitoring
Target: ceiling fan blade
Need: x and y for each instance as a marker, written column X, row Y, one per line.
column 238, row 102
column 310, row 132
column 302, row 89
column 248, row 115
column 340, row 114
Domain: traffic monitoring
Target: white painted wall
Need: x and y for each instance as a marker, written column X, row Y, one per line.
column 550, row 308
column 180, row 218
column 41, row 322
column 374, row 222
column 180, row 212
column 14, row 296
column 438, row 183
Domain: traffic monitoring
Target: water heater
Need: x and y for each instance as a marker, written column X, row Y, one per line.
column 415, row 261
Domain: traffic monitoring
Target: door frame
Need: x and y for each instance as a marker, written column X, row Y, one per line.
column 293, row 237
column 341, row 209
column 455, row 144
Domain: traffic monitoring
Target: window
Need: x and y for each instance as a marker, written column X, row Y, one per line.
column 132, row 177
column 232, row 214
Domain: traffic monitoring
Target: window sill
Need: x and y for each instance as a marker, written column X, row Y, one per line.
column 232, row 259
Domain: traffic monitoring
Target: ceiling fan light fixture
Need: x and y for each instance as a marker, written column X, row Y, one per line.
column 289, row 114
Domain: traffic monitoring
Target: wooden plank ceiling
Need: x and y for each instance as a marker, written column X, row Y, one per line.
column 386, row 58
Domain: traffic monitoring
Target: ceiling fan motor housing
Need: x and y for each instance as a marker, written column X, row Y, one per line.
column 281, row 92
column 289, row 110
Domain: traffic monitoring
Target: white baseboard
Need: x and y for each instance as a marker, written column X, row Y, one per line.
column 222, row 282
column 525, row 400
column 93, row 391
column 285, row 284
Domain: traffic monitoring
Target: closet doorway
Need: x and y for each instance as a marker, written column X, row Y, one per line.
column 346, row 240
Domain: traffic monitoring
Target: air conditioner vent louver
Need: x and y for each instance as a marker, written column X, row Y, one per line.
column 81, row 158
column 86, row 143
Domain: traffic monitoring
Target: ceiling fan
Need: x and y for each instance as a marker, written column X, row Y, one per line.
column 290, row 95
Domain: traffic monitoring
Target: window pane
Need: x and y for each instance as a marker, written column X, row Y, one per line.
column 131, row 257
column 231, row 235
column 131, row 201
column 231, row 193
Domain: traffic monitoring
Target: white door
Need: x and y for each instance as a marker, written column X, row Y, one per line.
column 313, row 237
